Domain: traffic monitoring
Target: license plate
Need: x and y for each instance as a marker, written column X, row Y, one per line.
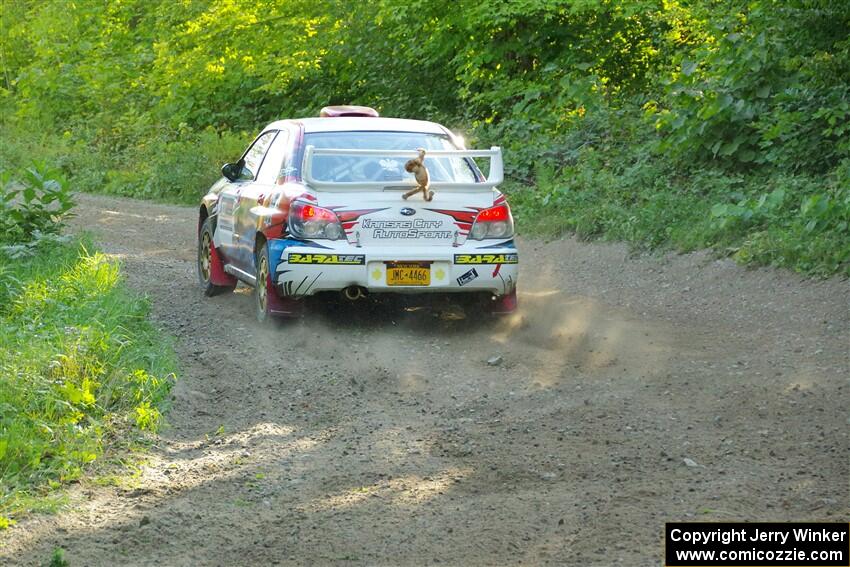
column 408, row 274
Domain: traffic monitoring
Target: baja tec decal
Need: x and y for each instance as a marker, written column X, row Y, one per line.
column 338, row 259
column 417, row 228
column 487, row 258
column 467, row 277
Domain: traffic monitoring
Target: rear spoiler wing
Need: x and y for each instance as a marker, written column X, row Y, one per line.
column 494, row 153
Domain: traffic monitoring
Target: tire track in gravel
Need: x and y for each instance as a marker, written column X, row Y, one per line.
column 389, row 440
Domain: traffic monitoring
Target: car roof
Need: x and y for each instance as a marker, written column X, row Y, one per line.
column 361, row 123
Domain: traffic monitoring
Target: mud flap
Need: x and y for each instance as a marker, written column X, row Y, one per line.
column 284, row 306
column 217, row 274
column 504, row 304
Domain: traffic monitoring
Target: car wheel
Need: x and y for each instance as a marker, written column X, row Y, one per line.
column 211, row 274
column 264, row 293
column 268, row 305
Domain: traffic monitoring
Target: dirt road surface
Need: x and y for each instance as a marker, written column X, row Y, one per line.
column 388, row 439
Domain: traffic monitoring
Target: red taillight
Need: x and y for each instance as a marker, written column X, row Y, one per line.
column 493, row 214
column 310, row 221
column 312, row 212
column 495, row 222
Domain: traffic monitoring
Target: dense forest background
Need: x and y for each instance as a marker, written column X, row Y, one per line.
column 666, row 123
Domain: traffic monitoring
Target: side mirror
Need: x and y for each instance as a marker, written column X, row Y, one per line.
column 231, row 171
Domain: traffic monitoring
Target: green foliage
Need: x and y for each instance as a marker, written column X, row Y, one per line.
column 771, row 88
column 32, row 203
column 808, row 231
column 57, row 559
column 180, row 165
column 698, row 102
column 78, row 364
column 622, row 191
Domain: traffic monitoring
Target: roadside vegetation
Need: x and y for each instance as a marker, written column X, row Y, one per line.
column 80, row 366
column 678, row 124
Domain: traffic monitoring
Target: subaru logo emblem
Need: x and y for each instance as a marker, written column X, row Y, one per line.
column 407, row 211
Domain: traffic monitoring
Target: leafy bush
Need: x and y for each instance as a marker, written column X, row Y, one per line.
column 32, row 204
column 798, row 225
column 770, row 89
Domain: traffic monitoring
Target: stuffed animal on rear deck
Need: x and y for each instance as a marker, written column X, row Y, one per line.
column 417, row 167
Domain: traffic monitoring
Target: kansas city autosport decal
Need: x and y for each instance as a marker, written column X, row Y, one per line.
column 509, row 258
column 416, row 228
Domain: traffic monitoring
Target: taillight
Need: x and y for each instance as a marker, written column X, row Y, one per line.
column 310, row 221
column 495, row 222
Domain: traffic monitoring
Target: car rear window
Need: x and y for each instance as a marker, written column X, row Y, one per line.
column 389, row 169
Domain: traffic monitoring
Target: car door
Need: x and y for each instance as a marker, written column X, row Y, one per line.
column 248, row 212
column 235, row 199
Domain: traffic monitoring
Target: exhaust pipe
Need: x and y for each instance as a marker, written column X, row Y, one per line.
column 353, row 293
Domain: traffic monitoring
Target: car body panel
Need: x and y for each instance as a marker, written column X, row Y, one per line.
column 304, row 268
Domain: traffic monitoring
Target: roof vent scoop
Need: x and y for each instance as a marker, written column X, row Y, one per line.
column 335, row 111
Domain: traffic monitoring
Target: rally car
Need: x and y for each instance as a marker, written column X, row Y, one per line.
column 317, row 205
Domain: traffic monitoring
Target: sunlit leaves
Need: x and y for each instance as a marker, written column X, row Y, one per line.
column 762, row 92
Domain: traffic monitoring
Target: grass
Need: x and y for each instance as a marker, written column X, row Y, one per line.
column 57, row 559
column 80, row 368
column 795, row 221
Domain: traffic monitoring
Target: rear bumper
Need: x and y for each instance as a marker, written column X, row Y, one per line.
column 306, row 268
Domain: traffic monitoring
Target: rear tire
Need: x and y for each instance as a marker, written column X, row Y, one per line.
column 268, row 305
column 263, row 287
column 210, row 267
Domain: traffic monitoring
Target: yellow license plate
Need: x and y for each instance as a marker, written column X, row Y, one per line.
column 408, row 274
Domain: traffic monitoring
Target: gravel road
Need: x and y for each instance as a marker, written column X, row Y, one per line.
column 388, row 438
